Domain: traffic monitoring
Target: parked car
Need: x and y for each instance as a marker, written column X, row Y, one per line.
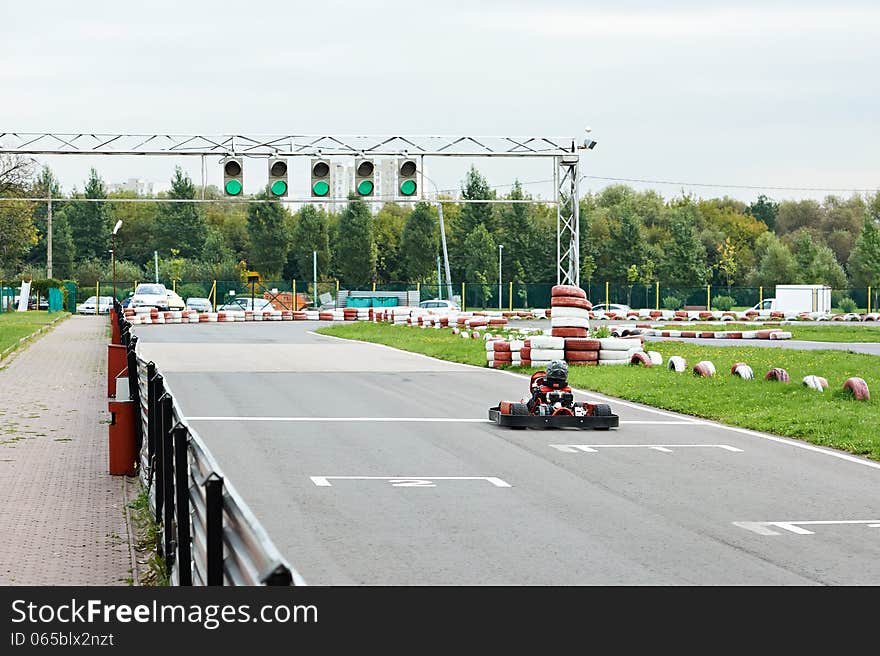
column 150, row 295
column 175, row 302
column 88, row 305
column 439, row 304
column 244, row 303
column 616, row 308
column 198, row 304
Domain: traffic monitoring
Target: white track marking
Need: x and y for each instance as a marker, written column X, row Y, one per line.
column 796, row 527
column 744, row 431
column 663, row 448
column 448, row 420
column 408, row 481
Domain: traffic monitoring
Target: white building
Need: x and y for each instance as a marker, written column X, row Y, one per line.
column 136, row 185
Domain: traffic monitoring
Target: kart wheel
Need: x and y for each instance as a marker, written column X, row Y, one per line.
column 601, row 410
column 519, row 409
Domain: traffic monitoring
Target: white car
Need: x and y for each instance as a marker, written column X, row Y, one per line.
column 175, row 302
column 150, row 295
column 439, row 305
column 88, row 305
column 600, row 309
column 242, row 303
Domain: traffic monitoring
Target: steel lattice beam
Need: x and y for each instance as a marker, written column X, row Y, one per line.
column 568, row 267
column 227, row 145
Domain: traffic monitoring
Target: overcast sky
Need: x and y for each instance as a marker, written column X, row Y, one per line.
column 772, row 93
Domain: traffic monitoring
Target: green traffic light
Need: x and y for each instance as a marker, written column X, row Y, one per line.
column 321, row 188
column 365, row 187
column 233, row 187
column 408, row 187
column 279, row 188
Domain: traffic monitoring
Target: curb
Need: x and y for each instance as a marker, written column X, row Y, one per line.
column 28, row 338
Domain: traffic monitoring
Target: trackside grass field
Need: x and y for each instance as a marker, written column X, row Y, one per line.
column 791, row 410
column 832, row 332
column 15, row 325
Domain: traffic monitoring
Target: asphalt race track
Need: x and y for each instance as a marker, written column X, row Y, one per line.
column 368, row 465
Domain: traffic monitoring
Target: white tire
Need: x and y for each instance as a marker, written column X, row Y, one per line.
column 744, row 371
column 609, row 363
column 704, row 369
column 614, row 355
column 548, row 354
column 677, row 364
column 560, row 312
column 547, row 342
column 569, row 322
column 816, row 383
column 615, row 344
column 656, row 358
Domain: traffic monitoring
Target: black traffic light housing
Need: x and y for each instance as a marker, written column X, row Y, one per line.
column 364, row 177
column 278, row 184
column 233, row 176
column 320, row 170
column 407, row 184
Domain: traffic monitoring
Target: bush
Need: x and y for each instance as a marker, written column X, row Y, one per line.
column 723, row 303
column 190, row 289
column 847, row 305
column 601, row 331
column 672, row 303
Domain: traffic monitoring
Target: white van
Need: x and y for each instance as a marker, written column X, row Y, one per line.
column 150, row 294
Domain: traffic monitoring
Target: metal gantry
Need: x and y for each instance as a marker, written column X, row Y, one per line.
column 562, row 150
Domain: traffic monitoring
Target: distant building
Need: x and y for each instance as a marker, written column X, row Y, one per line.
column 341, row 185
column 136, row 185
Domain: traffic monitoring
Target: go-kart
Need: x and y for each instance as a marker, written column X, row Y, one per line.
column 552, row 405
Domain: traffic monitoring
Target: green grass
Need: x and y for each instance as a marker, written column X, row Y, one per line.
column 829, row 419
column 15, row 325
column 832, row 332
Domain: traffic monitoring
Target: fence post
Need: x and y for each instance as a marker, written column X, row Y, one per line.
column 510, row 295
column 657, row 295
column 869, row 299
column 606, row 296
column 151, row 419
column 214, row 295
column 374, row 285
column 168, row 482
column 214, row 528
column 293, row 290
column 97, row 295
column 708, row 298
column 760, row 297
column 462, row 297
column 181, row 484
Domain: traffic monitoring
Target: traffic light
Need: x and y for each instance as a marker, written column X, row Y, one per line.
column 277, row 177
column 363, row 177
column 233, row 176
column 320, row 177
column 406, row 177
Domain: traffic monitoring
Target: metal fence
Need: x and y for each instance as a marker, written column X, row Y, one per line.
column 208, row 535
column 508, row 295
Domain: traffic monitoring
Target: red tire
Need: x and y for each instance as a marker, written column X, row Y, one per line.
column 735, row 365
column 704, row 369
column 778, row 374
column 525, row 353
column 581, row 356
column 501, row 346
column 502, row 357
column 583, row 363
column 569, row 332
column 567, row 290
column 641, row 358
column 688, row 333
column 734, row 335
column 708, row 335
column 858, row 388
column 504, row 407
column 581, row 344
column 571, row 301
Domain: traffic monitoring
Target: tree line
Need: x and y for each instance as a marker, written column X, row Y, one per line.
column 628, row 237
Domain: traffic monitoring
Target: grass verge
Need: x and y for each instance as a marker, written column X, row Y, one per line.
column 146, row 533
column 17, row 325
column 829, row 419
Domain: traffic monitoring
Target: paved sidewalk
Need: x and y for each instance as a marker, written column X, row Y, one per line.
column 62, row 516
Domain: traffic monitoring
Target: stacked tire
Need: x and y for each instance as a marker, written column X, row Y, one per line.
column 541, row 350
column 617, row 350
column 569, row 312
column 501, row 353
column 581, row 351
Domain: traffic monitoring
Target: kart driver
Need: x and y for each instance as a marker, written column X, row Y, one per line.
column 554, row 380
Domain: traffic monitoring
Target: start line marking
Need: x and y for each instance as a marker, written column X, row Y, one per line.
column 451, row 420
column 763, row 528
column 408, row 481
column 662, row 448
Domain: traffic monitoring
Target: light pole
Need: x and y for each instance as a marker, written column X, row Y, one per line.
column 442, row 238
column 500, row 247
column 113, row 257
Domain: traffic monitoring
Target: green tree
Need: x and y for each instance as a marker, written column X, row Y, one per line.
column 864, row 263
column 480, row 260
column 764, row 209
column 776, row 265
column 63, row 250
column 355, row 249
column 387, row 232
column 625, row 247
column 17, row 234
column 269, row 241
column 180, row 225
column 517, row 230
column 727, row 260
column 476, row 187
column 43, row 185
column 90, row 223
column 684, row 256
column 418, row 243
column 311, row 235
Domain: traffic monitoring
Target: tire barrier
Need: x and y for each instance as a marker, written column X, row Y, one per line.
column 742, row 370
column 569, row 332
column 704, row 369
column 567, row 290
column 778, row 374
column 656, row 358
column 815, row 383
column 641, row 358
column 677, row 364
column 858, row 388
